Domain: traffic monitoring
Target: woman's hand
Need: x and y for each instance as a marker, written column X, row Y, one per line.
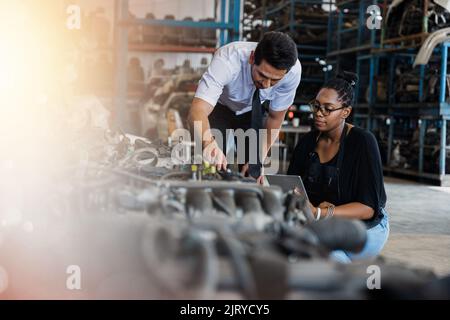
column 323, row 208
column 325, row 205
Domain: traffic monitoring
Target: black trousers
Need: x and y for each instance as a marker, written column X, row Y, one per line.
column 222, row 118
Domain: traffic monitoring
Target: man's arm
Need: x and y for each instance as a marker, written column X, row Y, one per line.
column 273, row 125
column 199, row 112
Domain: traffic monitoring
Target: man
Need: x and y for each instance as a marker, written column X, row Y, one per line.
column 240, row 77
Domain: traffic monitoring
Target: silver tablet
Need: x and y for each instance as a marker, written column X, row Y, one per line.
column 287, row 183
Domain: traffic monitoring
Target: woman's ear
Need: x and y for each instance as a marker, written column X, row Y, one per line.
column 346, row 113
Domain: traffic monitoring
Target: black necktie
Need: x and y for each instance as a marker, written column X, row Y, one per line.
column 254, row 170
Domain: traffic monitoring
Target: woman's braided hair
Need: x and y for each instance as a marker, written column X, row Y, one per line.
column 344, row 84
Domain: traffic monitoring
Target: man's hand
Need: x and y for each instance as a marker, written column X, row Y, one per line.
column 199, row 112
column 214, row 155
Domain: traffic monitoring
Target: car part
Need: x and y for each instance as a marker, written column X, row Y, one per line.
column 136, row 235
column 433, row 40
column 404, row 18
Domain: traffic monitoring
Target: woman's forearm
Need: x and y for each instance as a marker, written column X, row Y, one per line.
column 353, row 210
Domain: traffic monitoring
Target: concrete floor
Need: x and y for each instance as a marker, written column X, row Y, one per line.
column 420, row 225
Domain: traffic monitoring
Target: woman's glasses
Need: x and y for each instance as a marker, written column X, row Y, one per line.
column 315, row 106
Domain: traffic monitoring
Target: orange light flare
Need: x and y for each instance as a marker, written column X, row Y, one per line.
column 32, row 110
column 32, row 51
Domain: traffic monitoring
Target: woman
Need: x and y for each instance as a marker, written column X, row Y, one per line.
column 341, row 167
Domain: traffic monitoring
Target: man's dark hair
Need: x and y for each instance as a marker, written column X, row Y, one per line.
column 277, row 49
column 344, row 84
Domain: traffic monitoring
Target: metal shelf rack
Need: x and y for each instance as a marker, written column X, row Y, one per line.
column 406, row 119
column 229, row 26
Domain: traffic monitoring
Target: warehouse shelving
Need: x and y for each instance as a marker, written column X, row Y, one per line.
column 387, row 116
column 340, row 37
column 307, row 23
column 407, row 41
column 350, row 44
column 228, row 25
column 349, row 47
column 407, row 117
column 229, row 30
column 252, row 19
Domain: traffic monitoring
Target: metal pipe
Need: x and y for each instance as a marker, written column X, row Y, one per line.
column 223, row 8
column 443, row 80
column 423, row 126
column 339, row 29
column 236, row 19
column 410, row 37
column 358, row 72
column 371, row 75
column 421, row 83
column 442, row 153
column 291, row 16
column 390, row 138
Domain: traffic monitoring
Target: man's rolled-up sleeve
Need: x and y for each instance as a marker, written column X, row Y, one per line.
column 218, row 75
